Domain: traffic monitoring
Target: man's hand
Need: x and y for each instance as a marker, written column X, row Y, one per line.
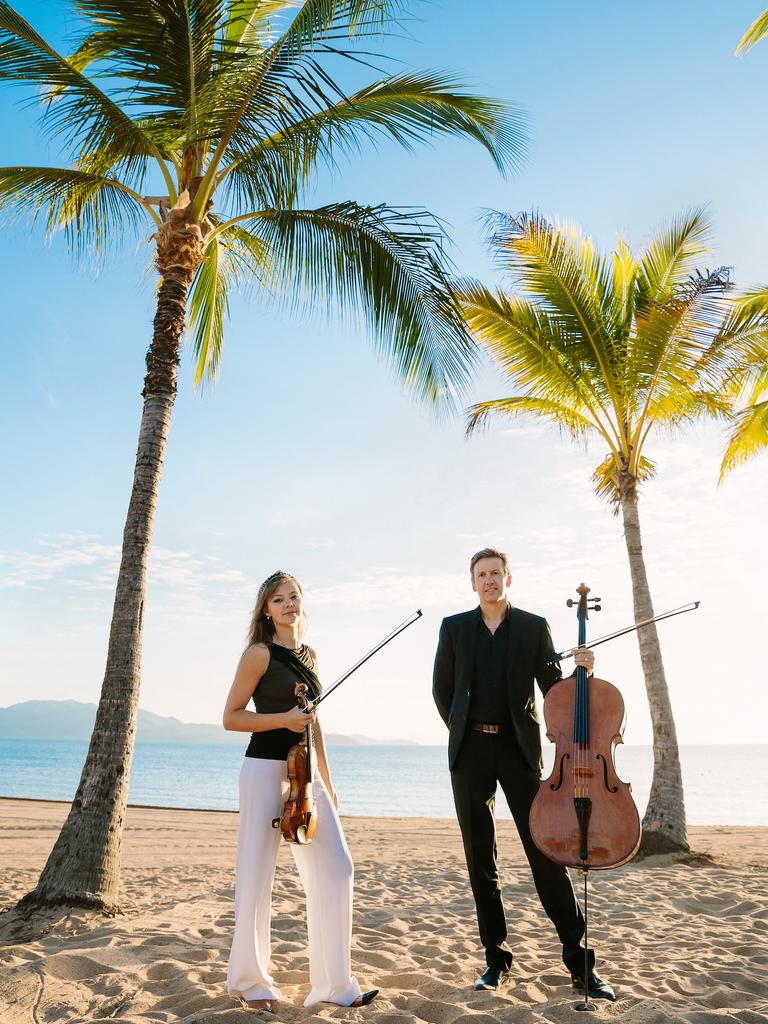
column 584, row 659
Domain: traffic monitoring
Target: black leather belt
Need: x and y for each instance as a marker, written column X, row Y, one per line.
column 488, row 727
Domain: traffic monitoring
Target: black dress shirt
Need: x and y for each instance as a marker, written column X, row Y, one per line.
column 489, row 702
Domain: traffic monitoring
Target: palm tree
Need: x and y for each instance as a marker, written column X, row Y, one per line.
column 232, row 103
column 611, row 348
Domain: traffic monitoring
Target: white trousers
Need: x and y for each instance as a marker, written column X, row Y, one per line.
column 326, row 872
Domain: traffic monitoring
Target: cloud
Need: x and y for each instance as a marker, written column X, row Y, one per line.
column 82, row 562
column 63, row 557
column 379, row 587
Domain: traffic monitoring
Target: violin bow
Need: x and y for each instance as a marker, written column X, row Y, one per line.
column 690, row 607
column 390, row 636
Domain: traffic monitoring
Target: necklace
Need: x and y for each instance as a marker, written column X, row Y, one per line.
column 279, row 644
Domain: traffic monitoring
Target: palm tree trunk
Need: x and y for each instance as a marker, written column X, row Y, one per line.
column 664, row 827
column 83, row 868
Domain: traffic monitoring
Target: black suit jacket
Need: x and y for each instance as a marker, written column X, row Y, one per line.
column 530, row 646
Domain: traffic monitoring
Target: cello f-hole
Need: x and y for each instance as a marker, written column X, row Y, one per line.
column 611, row 789
column 554, row 787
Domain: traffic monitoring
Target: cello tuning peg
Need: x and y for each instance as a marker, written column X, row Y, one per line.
column 597, row 608
column 570, row 602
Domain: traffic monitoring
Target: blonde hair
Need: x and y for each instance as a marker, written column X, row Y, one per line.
column 262, row 629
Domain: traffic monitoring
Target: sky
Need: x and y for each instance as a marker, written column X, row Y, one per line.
column 308, row 456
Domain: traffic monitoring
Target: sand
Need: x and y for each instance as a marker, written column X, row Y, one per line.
column 679, row 941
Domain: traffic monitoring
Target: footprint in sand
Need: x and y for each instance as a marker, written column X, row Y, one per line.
column 434, row 1011
column 723, row 998
column 288, row 947
column 477, row 1018
column 375, row 958
column 291, row 977
column 396, row 927
column 69, row 967
column 162, row 970
column 406, row 980
column 394, row 1017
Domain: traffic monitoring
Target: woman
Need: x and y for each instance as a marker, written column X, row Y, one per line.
column 325, row 866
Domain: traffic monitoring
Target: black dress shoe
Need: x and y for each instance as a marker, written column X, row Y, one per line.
column 492, row 978
column 598, row 989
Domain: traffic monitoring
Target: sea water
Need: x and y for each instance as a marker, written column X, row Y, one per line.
column 391, row 781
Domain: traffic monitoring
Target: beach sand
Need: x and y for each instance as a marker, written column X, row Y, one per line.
column 679, row 941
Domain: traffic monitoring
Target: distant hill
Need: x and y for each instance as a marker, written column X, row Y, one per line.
column 71, row 720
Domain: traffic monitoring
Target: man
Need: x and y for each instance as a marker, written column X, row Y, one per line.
column 486, row 663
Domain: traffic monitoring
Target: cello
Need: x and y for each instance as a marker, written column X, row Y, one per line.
column 583, row 815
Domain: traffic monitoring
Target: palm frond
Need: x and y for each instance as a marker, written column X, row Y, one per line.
column 622, row 291
column 560, row 269
column 738, row 355
column 91, row 49
column 748, row 437
column 564, row 416
column 317, row 21
column 233, row 259
column 208, row 306
column 533, row 349
column 673, row 353
column 263, row 93
column 82, row 115
column 756, row 31
column 408, row 108
column 671, row 257
column 166, row 49
column 387, row 264
column 252, row 23
column 92, row 211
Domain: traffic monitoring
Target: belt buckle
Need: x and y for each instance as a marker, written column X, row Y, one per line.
column 486, row 727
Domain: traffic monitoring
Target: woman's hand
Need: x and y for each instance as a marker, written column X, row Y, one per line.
column 297, row 720
column 333, row 796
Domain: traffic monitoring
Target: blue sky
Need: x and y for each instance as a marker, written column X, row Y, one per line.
column 307, row 455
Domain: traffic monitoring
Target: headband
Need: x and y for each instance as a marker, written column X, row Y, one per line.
column 279, row 575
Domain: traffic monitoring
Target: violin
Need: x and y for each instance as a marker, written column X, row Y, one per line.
column 583, row 815
column 298, row 821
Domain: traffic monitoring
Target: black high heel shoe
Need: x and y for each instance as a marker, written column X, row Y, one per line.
column 366, row 997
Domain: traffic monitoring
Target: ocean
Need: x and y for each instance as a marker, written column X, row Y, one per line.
column 406, row 781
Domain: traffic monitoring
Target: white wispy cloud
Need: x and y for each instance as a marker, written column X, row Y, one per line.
column 83, row 562
column 378, row 587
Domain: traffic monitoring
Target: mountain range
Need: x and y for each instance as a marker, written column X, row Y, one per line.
column 72, row 720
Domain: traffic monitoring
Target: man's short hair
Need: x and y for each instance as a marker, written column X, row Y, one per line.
column 488, row 553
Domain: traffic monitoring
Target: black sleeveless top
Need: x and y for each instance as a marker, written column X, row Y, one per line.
column 275, row 694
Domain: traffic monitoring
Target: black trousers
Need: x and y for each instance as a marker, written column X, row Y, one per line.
column 486, row 759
